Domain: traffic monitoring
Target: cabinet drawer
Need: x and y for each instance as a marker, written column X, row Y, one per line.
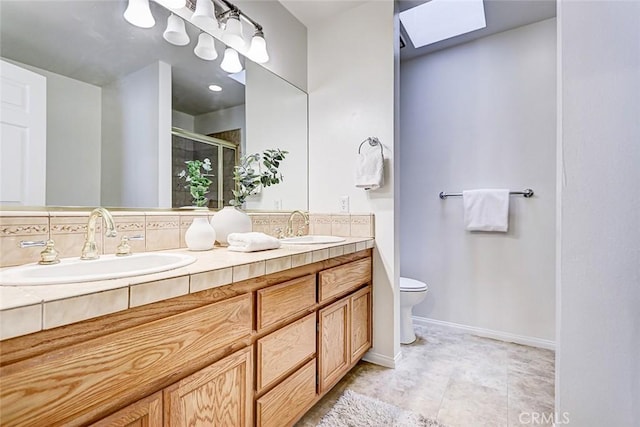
column 283, row 350
column 289, row 400
column 343, row 278
column 279, row 302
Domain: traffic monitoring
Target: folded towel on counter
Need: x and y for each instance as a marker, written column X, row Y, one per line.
column 251, row 242
column 486, row 210
column 369, row 171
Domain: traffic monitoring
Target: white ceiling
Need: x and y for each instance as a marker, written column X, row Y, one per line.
column 501, row 15
column 89, row 40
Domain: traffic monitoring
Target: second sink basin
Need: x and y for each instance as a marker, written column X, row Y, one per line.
column 74, row 270
column 311, row 240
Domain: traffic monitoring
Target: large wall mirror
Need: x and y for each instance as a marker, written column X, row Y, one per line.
column 116, row 96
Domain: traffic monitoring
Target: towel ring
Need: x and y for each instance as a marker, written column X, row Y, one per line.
column 373, row 141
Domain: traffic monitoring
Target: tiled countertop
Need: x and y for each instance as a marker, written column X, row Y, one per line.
column 28, row 309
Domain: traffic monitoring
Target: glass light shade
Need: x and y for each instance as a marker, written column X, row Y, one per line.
column 138, row 13
column 206, row 48
column 176, row 33
column 258, row 49
column 204, row 13
column 232, row 34
column 231, row 62
column 173, row 4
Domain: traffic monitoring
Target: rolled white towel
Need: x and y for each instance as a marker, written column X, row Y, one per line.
column 251, row 242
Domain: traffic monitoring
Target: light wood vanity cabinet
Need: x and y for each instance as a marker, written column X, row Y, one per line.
column 259, row 352
column 344, row 336
column 146, row 412
column 218, row 395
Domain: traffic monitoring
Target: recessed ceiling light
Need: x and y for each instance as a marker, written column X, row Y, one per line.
column 439, row 20
column 215, row 88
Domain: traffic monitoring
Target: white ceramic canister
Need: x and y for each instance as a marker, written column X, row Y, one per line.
column 200, row 236
column 230, row 220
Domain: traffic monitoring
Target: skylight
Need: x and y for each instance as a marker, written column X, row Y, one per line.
column 439, row 20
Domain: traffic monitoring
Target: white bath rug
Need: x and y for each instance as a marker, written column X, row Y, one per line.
column 355, row 410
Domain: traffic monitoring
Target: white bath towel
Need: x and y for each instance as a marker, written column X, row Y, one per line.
column 251, row 242
column 369, row 171
column 486, row 210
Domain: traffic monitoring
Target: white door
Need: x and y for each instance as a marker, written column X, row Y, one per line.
column 23, row 136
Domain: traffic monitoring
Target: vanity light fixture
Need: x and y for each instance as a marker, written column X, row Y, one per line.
column 215, row 88
column 258, row 49
column 231, row 62
column 206, row 48
column 204, row 14
column 176, row 33
column 138, row 13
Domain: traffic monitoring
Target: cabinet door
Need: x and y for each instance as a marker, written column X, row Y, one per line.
column 218, row 395
column 334, row 343
column 360, row 306
column 146, row 412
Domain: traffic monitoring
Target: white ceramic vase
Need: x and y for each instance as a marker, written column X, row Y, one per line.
column 200, row 236
column 230, row 220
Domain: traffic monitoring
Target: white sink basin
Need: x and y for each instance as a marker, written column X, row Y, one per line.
column 74, row 270
column 311, row 240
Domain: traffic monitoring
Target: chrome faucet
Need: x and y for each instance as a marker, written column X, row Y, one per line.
column 90, row 250
column 304, row 216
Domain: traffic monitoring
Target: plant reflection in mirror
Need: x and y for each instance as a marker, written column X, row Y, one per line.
column 255, row 171
column 197, row 181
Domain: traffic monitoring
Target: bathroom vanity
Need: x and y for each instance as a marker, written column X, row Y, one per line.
column 260, row 350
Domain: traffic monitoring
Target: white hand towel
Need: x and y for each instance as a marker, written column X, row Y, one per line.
column 251, row 242
column 369, row 169
column 486, row 210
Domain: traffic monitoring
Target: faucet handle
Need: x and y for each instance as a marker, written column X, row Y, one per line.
column 124, row 248
column 49, row 255
column 279, row 232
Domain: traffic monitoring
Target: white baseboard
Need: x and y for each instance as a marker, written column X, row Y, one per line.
column 382, row 360
column 488, row 333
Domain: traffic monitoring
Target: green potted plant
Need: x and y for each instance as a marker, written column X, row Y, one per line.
column 252, row 173
column 196, row 180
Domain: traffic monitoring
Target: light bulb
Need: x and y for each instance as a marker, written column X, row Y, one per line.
column 206, row 48
column 138, row 13
column 258, row 49
column 203, row 14
column 232, row 34
column 176, row 33
column 231, row 62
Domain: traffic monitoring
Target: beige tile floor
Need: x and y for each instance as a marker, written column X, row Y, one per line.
column 459, row 379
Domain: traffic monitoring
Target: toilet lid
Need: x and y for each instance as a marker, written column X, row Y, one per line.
column 412, row 285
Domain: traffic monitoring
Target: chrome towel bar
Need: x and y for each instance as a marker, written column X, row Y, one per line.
column 526, row 193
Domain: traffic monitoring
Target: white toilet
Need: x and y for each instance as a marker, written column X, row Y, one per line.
column 412, row 292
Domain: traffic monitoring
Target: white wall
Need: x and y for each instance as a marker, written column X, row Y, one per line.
column 482, row 115
column 351, row 97
column 222, row 120
column 136, row 149
column 182, row 120
column 286, row 39
column 277, row 118
column 598, row 362
column 74, row 111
